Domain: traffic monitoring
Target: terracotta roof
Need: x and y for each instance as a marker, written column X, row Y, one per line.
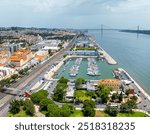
column 20, row 54
column 4, row 52
column 109, row 81
column 16, row 58
column 1, row 65
column 40, row 57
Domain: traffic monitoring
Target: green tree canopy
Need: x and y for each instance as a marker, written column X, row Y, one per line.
column 14, row 76
column 67, row 110
column 14, row 107
column 53, row 110
column 63, row 80
column 44, row 103
column 111, row 110
column 89, row 103
column 114, row 96
column 104, row 94
column 128, row 106
column 89, row 111
column 38, row 96
column 29, row 107
column 79, row 82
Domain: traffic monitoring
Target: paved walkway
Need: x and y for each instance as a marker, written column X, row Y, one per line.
column 108, row 58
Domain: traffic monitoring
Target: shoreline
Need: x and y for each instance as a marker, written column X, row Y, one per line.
column 137, row 85
column 109, row 59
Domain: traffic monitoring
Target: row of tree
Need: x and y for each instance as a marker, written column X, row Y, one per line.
column 27, row 105
column 60, row 91
column 49, row 107
column 13, row 78
column 124, row 107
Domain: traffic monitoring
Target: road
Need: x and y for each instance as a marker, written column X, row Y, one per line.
column 37, row 72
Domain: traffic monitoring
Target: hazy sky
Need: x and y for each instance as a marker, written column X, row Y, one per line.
column 75, row 13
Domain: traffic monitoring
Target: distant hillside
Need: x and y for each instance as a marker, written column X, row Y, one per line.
column 137, row 31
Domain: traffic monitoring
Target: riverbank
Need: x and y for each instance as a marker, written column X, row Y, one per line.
column 137, row 85
column 107, row 57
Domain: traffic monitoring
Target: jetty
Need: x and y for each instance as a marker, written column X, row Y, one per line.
column 109, row 59
column 92, row 69
column 75, row 68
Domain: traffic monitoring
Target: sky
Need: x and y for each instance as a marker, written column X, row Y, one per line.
column 75, row 13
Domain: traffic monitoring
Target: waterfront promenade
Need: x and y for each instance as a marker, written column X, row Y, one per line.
column 137, row 85
column 145, row 98
column 107, row 57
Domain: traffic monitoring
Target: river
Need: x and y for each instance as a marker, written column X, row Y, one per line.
column 131, row 51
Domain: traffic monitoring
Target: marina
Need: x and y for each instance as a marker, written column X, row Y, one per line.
column 103, row 70
column 92, row 69
column 75, row 68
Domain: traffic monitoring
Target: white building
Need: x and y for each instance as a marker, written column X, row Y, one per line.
column 5, row 72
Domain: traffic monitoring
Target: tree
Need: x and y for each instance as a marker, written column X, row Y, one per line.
column 91, row 94
column 79, row 82
column 101, row 86
column 111, row 110
column 53, row 110
column 124, row 108
column 50, row 52
column 120, row 97
column 38, row 96
column 114, row 96
column 78, row 94
column 21, row 72
column 89, row 103
column 127, row 92
column 8, row 80
column 14, row 77
column 128, row 106
column 66, row 110
column 134, row 98
column 44, row 103
column 63, row 80
column 88, row 110
column 14, row 107
column 104, row 94
column 60, row 92
column 29, row 107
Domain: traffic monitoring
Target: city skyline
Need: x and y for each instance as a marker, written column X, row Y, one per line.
column 75, row 14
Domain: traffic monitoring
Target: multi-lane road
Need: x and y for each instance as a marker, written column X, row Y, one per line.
column 27, row 79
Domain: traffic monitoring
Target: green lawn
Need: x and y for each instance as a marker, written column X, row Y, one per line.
column 134, row 114
column 22, row 113
column 82, row 95
column 77, row 113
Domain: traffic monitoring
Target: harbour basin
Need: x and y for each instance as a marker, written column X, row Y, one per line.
column 105, row 70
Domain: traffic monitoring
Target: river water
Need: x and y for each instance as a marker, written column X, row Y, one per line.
column 131, row 51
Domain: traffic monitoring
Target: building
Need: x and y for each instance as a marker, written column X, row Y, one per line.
column 4, row 57
column 13, row 47
column 41, row 55
column 40, row 58
column 5, row 72
column 21, row 57
column 83, row 53
column 52, row 48
column 110, row 83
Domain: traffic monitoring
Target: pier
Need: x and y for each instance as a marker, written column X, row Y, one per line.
column 107, row 57
column 92, row 69
column 75, row 68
